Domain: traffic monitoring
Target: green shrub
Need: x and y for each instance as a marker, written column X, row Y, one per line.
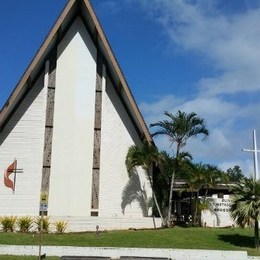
column 8, row 223
column 61, row 226
column 45, row 224
column 25, row 224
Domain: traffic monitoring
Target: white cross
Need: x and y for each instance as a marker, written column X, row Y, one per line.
column 255, row 151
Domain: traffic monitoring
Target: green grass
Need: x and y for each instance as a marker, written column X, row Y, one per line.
column 179, row 238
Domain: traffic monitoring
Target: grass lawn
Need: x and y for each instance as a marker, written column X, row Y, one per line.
column 177, row 237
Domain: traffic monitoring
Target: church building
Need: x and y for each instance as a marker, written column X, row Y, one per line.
column 66, row 128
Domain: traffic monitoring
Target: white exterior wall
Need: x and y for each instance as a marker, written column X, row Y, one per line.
column 72, row 144
column 220, row 216
column 117, row 135
column 73, row 132
column 23, row 139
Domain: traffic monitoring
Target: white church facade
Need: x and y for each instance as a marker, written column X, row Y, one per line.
column 66, row 129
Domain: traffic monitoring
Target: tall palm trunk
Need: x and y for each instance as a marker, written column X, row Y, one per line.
column 195, row 219
column 206, row 193
column 256, row 234
column 155, row 198
column 172, row 183
column 170, row 200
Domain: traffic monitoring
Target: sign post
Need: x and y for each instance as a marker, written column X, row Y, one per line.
column 43, row 211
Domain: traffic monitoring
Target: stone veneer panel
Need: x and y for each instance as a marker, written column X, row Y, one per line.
column 97, row 136
column 47, row 147
column 49, row 122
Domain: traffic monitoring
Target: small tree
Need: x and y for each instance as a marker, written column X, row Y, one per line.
column 144, row 155
column 235, row 174
column 246, row 204
column 8, row 223
column 25, row 223
column 43, row 224
column 61, row 226
column 202, row 176
column 179, row 128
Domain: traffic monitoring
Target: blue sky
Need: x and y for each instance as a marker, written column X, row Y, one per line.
column 192, row 55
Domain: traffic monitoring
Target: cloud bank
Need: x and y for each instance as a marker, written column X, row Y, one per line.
column 228, row 100
column 225, row 35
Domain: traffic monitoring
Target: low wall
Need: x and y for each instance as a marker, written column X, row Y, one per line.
column 115, row 253
column 80, row 224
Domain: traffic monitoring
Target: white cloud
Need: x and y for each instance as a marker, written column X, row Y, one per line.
column 230, row 42
column 245, row 165
column 214, row 110
column 226, row 139
column 153, row 111
column 231, row 82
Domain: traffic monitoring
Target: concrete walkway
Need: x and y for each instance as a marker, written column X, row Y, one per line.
column 115, row 253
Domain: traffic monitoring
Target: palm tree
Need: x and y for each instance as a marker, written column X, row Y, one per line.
column 235, row 174
column 246, row 204
column 202, row 176
column 144, row 155
column 213, row 177
column 179, row 128
column 195, row 180
column 162, row 180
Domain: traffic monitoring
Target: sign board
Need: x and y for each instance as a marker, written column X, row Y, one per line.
column 221, row 205
column 44, row 201
column 218, row 215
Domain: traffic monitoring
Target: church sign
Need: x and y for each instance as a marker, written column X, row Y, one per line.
column 219, row 213
column 221, row 205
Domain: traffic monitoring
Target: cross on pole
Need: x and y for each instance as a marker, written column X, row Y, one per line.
column 255, row 151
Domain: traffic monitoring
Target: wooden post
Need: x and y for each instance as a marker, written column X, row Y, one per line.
column 40, row 243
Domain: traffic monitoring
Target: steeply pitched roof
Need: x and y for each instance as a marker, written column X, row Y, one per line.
column 84, row 9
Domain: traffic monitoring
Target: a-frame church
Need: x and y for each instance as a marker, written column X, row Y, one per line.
column 66, row 129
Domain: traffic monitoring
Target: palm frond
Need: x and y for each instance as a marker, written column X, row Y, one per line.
column 245, row 201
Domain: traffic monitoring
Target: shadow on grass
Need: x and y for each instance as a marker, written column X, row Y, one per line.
column 238, row 240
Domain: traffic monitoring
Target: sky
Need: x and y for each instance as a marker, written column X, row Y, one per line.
column 191, row 55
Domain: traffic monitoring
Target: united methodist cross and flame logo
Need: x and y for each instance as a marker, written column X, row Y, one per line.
column 12, row 169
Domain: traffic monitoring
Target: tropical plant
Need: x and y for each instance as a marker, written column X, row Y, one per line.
column 179, row 128
column 245, row 206
column 235, row 174
column 61, row 226
column 25, row 223
column 200, row 177
column 8, row 223
column 162, row 179
column 43, row 224
column 144, row 155
column 182, row 164
column 206, row 204
column 214, row 176
column 195, row 178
